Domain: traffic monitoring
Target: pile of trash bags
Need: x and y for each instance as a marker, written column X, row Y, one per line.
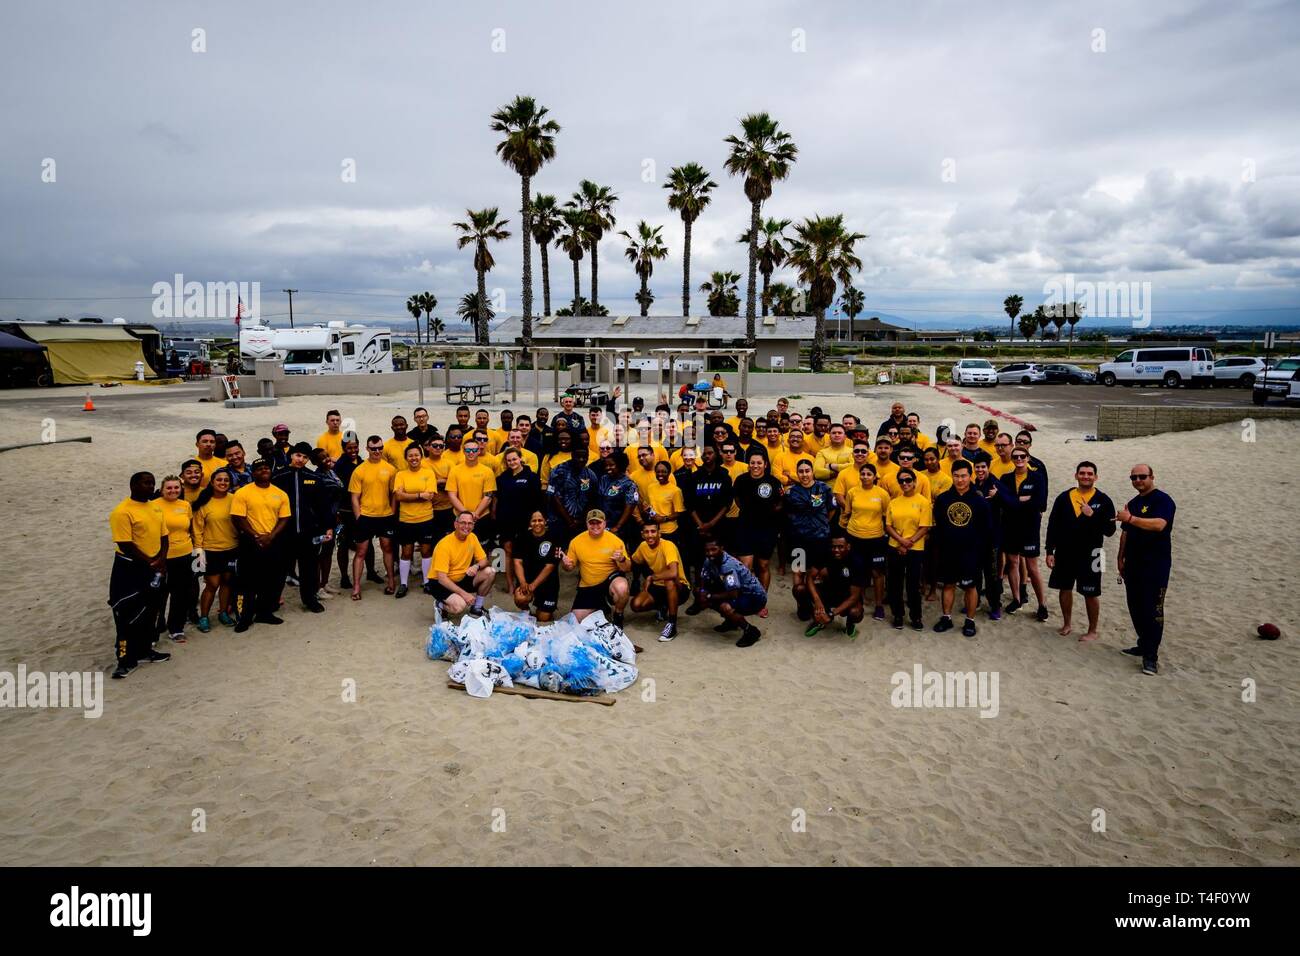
column 504, row 648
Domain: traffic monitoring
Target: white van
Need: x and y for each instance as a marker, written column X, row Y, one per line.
column 1170, row 367
column 320, row 350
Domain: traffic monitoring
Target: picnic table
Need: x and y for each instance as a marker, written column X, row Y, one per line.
column 465, row 393
column 582, row 393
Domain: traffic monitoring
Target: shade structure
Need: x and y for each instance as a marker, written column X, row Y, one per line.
column 80, row 354
column 12, row 343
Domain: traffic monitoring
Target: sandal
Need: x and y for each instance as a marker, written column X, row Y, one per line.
column 389, row 589
column 356, row 595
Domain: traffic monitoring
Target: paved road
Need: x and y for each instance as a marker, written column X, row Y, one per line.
column 1076, row 405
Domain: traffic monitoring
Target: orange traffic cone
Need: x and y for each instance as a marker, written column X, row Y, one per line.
column 89, row 406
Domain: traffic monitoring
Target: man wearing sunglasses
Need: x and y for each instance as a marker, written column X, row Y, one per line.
column 1081, row 519
column 1145, row 561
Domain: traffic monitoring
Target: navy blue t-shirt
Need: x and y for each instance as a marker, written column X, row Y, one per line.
column 1150, row 550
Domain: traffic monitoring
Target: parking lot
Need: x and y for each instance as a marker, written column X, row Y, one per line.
column 1077, row 404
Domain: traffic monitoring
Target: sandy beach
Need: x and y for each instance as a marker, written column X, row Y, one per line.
column 714, row 758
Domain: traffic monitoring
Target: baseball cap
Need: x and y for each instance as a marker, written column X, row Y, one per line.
column 282, row 427
column 351, row 436
column 259, row 462
column 595, row 514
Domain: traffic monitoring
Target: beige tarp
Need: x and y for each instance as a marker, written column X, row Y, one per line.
column 81, row 354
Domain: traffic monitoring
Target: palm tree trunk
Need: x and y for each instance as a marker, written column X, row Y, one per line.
column 852, row 316
column 546, row 280
column 767, row 281
column 686, row 271
column 645, row 288
column 577, row 282
column 818, row 356
column 595, row 269
column 480, row 320
column 751, row 291
column 527, row 213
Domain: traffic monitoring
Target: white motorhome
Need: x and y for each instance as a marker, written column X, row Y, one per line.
column 332, row 349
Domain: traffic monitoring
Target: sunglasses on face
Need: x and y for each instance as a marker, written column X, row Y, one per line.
column 374, row 448
column 1138, row 477
column 438, row 446
column 1019, row 458
column 907, row 481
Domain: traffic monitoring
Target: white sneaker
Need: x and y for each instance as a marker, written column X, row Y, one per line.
column 324, row 594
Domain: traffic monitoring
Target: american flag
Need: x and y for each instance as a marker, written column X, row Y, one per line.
column 239, row 311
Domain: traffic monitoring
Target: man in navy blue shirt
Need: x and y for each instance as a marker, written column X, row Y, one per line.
column 572, row 489
column 731, row 589
column 1145, row 561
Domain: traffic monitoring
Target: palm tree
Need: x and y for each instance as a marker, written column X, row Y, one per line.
column 1074, row 317
column 690, row 186
column 822, row 253
column 853, row 302
column 642, row 251
column 1011, row 305
column 771, row 251
column 546, row 225
column 781, row 297
column 596, row 203
column 762, row 154
column 580, row 306
column 573, row 242
column 1028, row 325
column 1044, row 320
column 723, row 297
column 468, row 308
column 529, row 143
column 482, row 227
column 413, row 306
column 437, row 327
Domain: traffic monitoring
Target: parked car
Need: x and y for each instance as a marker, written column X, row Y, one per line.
column 1169, row 367
column 974, row 372
column 1239, row 370
column 1068, row 375
column 1280, row 381
column 1021, row 373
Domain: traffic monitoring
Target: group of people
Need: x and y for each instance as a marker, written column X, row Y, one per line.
column 654, row 511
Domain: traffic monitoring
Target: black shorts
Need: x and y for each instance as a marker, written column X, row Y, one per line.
column 434, row 587
column 367, row 528
column 1075, row 571
column 595, row 597
column 443, row 522
column 220, row 562
column 747, row 604
column 659, row 594
column 958, row 570
column 815, row 551
column 872, row 552
column 415, row 532
column 755, row 539
column 547, row 597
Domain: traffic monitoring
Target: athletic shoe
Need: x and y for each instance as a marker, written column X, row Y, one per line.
column 401, row 591
column 345, row 583
column 1013, row 607
column 851, row 630
column 726, row 626
column 750, row 637
column 316, row 608
column 668, row 633
column 918, row 625
column 1150, row 668
column 374, row 578
column 1024, row 595
column 178, row 637
column 1041, row 613
column 695, row 609
column 324, row 594
column 898, row 623
column 267, row 619
column 474, row 610
column 226, row 619
column 204, row 625
column 242, row 626
column 813, row 630
column 122, row 670
column 878, row 614
column 968, row 629
column 155, row 657
column 995, row 614
column 945, row 624
column 1134, row 651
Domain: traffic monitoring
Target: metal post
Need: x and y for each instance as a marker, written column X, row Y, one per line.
column 555, row 375
column 537, row 377
column 419, row 365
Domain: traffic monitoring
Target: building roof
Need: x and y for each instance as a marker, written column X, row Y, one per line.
column 872, row 324
column 666, row 328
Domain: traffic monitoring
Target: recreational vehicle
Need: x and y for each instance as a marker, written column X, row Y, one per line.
column 332, row 349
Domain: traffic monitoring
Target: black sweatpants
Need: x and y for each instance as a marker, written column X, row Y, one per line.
column 260, row 578
column 905, row 574
column 991, row 585
column 1146, row 608
column 300, row 552
column 135, row 602
column 178, row 592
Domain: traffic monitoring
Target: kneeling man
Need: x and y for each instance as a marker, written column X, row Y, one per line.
column 460, row 575
column 661, row 591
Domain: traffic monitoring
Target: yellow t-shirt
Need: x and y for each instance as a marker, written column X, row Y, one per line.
column 498, row 438
column 891, row 485
column 658, row 559
column 263, row 507
column 666, row 502
column 213, row 529
column 997, row 468
column 845, row 481
column 907, row 515
column 676, row 460
column 593, row 555
column 209, row 466
column 867, row 507
column 1077, row 498
column 922, row 440
column 735, row 470
column 374, row 483
column 140, row 522
column 395, row 452
column 415, row 483
column 940, row 482
column 829, row 456
column 191, row 495
column 813, row 444
column 558, row 458
column 441, row 468
column 453, row 557
column 471, row 485
column 178, row 516
column 987, row 447
column 333, row 444
column 885, row 472
column 455, row 457
column 789, row 461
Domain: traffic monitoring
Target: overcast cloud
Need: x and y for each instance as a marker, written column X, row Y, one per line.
column 1171, row 157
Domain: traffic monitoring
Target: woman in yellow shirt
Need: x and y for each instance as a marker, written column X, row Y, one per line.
column 216, row 536
column 866, row 506
column 414, row 490
column 178, row 599
column 908, row 520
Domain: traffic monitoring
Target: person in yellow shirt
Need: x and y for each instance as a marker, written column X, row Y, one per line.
column 742, row 410
column 988, row 443
column 662, row 501
column 664, row 584
column 460, row 575
column 849, row 478
column 790, row 458
column 684, row 457
column 642, row 471
column 261, row 512
column 1001, row 463
column 206, row 442
column 414, row 490
column 515, row 440
column 191, row 479
column 907, row 459
column 498, row 438
column 216, row 536
column 371, row 489
column 816, row 434
column 603, row 564
column 834, row 456
column 919, row 438
column 886, row 468
column 178, row 594
column 139, row 531
column 563, row 452
column 598, row 429
column 940, row 480
column 331, row 439
column 866, row 506
column 455, row 454
column 773, row 441
column 735, row 469
column 436, row 461
column 395, row 447
column 470, row 487
column 908, row 520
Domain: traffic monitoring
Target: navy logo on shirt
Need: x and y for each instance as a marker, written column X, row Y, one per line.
column 544, row 548
column 765, row 491
column 816, row 500
column 959, row 514
column 584, row 484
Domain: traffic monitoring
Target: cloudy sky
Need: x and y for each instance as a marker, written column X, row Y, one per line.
column 984, row 148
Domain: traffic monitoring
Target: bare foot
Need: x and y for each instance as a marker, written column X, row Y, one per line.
column 1090, row 636
column 356, row 595
column 1065, row 630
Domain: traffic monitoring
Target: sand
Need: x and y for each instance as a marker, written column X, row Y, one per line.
column 789, row 752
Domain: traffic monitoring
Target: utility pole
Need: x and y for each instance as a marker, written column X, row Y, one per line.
column 291, row 292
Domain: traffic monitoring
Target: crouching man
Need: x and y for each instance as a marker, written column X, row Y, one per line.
column 460, row 575
column 731, row 589
column 661, row 589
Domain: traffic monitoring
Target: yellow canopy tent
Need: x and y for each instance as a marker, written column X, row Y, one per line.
column 81, row 354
